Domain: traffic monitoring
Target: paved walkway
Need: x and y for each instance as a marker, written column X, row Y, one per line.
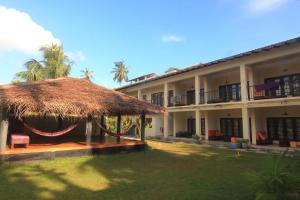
column 225, row 145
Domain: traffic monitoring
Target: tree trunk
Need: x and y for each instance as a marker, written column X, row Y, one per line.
column 118, row 128
column 88, row 130
column 3, row 129
column 143, row 125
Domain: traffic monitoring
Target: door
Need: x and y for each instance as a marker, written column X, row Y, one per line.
column 284, row 128
column 190, row 97
column 231, row 127
column 191, row 126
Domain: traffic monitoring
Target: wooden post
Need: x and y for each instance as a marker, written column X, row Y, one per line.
column 102, row 133
column 88, row 130
column 3, row 129
column 118, row 128
column 143, row 125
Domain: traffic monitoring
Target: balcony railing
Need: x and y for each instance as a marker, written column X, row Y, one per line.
column 182, row 100
column 159, row 102
column 216, row 96
column 274, row 90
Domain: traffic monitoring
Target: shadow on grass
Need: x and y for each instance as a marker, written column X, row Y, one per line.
column 178, row 171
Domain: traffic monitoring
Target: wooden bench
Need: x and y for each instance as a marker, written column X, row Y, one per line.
column 19, row 139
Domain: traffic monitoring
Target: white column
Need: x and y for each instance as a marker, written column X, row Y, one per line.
column 166, row 124
column 197, row 90
column 198, row 122
column 251, row 82
column 253, row 126
column 174, row 124
column 246, row 124
column 205, row 86
column 244, row 81
column 3, row 130
column 140, row 94
column 166, row 90
column 206, row 116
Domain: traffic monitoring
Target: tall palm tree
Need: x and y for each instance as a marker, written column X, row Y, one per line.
column 56, row 62
column 33, row 71
column 120, row 72
column 87, row 74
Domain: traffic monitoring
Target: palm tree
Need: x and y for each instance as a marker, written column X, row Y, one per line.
column 87, row 74
column 56, row 62
column 33, row 71
column 120, row 72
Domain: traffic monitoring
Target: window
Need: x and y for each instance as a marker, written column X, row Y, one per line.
column 145, row 97
column 202, row 97
column 148, row 122
column 190, row 97
column 230, row 92
column 157, row 98
column 288, row 85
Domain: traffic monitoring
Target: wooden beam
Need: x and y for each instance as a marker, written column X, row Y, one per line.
column 143, row 125
column 4, row 123
column 88, row 130
column 119, row 127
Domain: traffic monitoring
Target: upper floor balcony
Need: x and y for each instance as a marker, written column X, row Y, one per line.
column 225, row 93
column 282, row 87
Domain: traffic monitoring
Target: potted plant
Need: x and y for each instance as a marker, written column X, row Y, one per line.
column 245, row 143
column 293, row 144
column 196, row 137
column 239, row 143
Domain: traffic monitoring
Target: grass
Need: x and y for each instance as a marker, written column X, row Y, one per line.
column 167, row 171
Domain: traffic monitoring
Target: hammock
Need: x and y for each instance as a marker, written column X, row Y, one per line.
column 110, row 132
column 50, row 134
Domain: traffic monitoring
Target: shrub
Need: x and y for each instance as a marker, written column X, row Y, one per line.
column 278, row 180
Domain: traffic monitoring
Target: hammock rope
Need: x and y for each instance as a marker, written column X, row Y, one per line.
column 110, row 132
column 50, row 134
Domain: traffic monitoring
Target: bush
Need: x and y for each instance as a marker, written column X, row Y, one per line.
column 278, row 180
column 196, row 137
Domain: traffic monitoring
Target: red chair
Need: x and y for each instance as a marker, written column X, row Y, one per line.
column 215, row 135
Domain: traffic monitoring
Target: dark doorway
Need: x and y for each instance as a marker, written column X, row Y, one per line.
column 231, row 127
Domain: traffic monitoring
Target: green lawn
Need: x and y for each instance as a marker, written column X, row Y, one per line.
column 169, row 171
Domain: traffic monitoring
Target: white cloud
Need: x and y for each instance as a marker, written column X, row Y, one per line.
column 172, row 38
column 76, row 56
column 19, row 32
column 265, row 5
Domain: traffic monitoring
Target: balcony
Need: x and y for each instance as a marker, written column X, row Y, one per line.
column 221, row 96
column 274, row 90
column 182, row 100
column 157, row 102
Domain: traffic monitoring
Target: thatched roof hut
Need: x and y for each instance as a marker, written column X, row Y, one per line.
column 67, row 97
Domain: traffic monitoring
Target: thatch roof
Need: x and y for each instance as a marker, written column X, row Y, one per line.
column 69, row 97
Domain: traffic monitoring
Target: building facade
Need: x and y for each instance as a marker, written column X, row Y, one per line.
column 253, row 95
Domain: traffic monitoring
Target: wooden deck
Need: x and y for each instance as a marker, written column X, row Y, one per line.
column 40, row 151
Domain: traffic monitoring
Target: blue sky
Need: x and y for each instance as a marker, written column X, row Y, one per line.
column 149, row 35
